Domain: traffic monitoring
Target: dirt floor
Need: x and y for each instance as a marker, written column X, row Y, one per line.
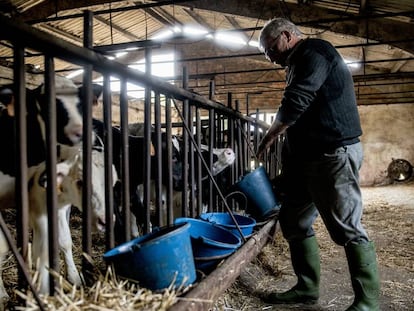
column 389, row 220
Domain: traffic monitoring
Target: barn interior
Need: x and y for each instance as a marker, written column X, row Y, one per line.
column 199, row 44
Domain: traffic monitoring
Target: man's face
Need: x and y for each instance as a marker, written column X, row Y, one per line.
column 276, row 49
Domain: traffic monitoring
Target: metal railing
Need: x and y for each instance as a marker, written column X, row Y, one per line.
column 227, row 127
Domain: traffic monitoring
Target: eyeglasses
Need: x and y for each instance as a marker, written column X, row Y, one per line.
column 271, row 49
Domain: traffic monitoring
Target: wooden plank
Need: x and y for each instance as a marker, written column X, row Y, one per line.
column 203, row 295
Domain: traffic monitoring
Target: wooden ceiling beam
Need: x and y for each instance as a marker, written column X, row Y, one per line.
column 163, row 21
column 124, row 32
column 59, row 32
column 198, row 19
column 167, row 15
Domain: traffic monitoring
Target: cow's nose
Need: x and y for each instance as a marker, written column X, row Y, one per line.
column 76, row 133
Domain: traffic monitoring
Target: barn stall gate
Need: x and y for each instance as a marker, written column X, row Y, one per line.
column 226, row 127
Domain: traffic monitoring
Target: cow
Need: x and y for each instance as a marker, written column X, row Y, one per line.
column 69, row 137
column 70, row 184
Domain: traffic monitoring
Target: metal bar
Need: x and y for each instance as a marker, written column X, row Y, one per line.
column 158, row 160
column 168, row 130
column 108, row 158
column 199, row 167
column 51, row 160
column 211, row 140
column 191, row 163
column 185, row 135
column 21, row 195
column 147, row 142
column 123, row 101
column 87, row 148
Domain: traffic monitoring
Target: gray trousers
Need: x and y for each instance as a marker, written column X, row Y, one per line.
column 328, row 186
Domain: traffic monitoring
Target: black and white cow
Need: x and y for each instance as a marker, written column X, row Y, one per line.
column 70, row 184
column 69, row 137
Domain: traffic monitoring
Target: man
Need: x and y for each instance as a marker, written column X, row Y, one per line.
column 321, row 158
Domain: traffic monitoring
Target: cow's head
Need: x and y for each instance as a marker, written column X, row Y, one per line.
column 98, row 186
column 68, row 110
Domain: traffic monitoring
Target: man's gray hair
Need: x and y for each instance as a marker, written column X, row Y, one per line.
column 274, row 27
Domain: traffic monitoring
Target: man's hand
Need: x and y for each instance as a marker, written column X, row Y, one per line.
column 274, row 131
column 264, row 144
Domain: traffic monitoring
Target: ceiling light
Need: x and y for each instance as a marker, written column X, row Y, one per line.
column 230, row 38
column 352, row 63
column 163, row 34
column 194, row 31
column 254, row 43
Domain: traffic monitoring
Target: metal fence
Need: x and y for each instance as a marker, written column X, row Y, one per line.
column 226, row 127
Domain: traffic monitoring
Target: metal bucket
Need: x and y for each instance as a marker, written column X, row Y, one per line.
column 157, row 260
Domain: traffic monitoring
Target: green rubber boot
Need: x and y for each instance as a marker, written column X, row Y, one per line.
column 364, row 276
column 306, row 265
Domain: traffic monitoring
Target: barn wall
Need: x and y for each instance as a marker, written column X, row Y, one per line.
column 388, row 134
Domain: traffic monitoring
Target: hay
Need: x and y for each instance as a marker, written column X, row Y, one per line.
column 107, row 293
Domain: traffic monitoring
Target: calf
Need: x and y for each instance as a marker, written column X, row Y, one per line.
column 69, row 174
column 69, row 136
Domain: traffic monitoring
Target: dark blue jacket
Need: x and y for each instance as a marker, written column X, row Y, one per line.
column 319, row 101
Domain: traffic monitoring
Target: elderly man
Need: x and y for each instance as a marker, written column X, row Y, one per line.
column 321, row 157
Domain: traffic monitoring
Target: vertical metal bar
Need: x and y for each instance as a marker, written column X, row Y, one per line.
column 249, row 135
column 220, row 130
column 211, row 90
column 87, row 144
column 211, row 140
column 185, row 146
column 22, row 202
column 191, row 173
column 211, row 129
column 168, row 130
column 123, row 102
column 256, row 136
column 147, row 143
column 199, row 163
column 158, row 161
column 51, row 160
column 108, row 154
column 230, row 140
column 239, row 146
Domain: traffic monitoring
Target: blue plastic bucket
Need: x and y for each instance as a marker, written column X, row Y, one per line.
column 157, row 260
column 209, row 240
column 258, row 190
column 246, row 224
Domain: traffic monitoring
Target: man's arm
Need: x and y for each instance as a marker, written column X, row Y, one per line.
column 272, row 133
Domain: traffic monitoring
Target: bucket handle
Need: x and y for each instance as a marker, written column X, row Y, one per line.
column 233, row 193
